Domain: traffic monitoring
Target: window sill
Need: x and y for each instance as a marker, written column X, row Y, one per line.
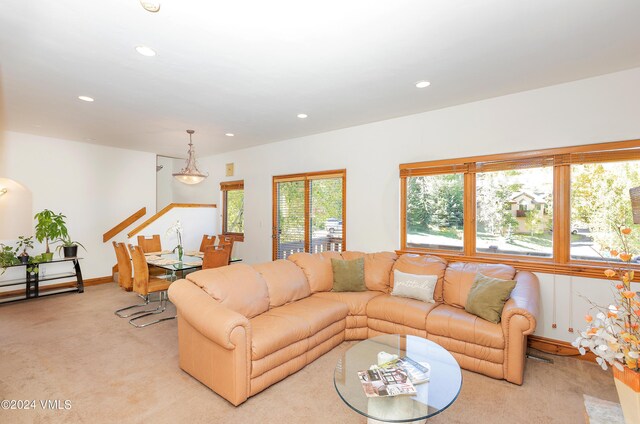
column 544, row 265
column 235, row 236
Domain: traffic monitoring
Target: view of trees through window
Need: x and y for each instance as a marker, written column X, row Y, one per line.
column 514, row 211
column 235, row 211
column 435, row 211
column 600, row 203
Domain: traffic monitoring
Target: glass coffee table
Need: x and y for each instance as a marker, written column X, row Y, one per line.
column 431, row 398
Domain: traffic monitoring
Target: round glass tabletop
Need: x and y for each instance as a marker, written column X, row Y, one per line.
column 432, row 397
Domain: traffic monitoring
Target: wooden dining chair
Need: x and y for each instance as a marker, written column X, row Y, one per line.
column 144, row 285
column 150, row 243
column 227, row 247
column 126, row 281
column 207, row 241
column 214, row 258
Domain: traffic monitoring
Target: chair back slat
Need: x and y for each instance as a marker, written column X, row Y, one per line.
column 207, row 241
column 124, row 266
column 214, row 258
column 150, row 243
column 140, row 270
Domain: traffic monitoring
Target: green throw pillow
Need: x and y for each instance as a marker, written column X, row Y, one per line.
column 487, row 297
column 348, row 275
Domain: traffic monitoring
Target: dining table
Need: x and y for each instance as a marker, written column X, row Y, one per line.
column 170, row 262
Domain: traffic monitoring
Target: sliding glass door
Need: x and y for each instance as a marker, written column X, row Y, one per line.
column 308, row 213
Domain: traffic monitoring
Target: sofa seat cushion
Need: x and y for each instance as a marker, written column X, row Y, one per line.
column 355, row 301
column 400, row 310
column 285, row 281
column 458, row 324
column 316, row 312
column 285, row 325
column 270, row 333
column 377, row 268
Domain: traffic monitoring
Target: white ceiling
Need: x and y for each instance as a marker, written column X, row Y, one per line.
column 249, row 67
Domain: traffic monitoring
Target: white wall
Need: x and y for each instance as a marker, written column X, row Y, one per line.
column 600, row 109
column 96, row 187
column 195, row 223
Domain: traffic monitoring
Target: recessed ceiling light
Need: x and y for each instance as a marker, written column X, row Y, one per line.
column 423, row 84
column 150, row 6
column 145, row 51
column 302, row 115
column 229, row 134
column 86, row 98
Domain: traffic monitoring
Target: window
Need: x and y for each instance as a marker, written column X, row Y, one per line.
column 309, row 213
column 435, row 212
column 600, row 200
column 514, row 211
column 233, row 208
column 551, row 210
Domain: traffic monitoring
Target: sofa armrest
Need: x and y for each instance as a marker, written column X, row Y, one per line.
column 212, row 320
column 519, row 318
column 524, row 302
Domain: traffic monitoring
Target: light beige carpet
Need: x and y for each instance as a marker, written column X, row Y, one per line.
column 72, row 347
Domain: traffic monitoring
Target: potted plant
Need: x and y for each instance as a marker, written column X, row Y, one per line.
column 613, row 335
column 69, row 247
column 177, row 229
column 7, row 257
column 50, row 226
column 24, row 243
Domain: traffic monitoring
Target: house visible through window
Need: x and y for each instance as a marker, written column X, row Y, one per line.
column 309, row 213
column 233, row 208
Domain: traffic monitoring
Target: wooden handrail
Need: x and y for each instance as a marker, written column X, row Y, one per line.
column 124, row 224
column 164, row 211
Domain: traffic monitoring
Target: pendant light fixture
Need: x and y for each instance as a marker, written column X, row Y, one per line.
column 190, row 174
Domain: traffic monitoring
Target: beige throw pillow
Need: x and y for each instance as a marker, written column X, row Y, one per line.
column 414, row 286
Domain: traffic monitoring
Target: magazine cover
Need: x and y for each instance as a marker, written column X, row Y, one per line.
column 381, row 382
column 419, row 372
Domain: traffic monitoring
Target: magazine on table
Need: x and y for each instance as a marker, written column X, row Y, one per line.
column 388, row 381
column 419, row 372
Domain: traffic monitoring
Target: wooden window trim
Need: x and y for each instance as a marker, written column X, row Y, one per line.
column 225, row 187
column 561, row 160
column 306, row 177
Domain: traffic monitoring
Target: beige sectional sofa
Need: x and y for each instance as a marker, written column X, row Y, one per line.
column 243, row 328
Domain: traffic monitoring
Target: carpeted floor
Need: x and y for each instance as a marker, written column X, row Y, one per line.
column 72, row 347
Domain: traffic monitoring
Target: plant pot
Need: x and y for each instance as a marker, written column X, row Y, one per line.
column 48, row 257
column 70, row 251
column 628, row 387
column 24, row 259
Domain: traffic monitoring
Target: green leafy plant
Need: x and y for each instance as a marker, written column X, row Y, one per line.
column 24, row 243
column 50, row 226
column 34, row 262
column 7, row 257
column 67, row 242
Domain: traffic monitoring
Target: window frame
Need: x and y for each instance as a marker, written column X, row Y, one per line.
column 225, row 187
column 562, row 158
column 306, row 177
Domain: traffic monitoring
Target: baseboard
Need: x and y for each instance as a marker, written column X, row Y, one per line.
column 558, row 347
column 88, row 282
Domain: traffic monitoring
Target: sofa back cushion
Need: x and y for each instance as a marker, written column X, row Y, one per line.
column 377, row 268
column 459, row 278
column 423, row 265
column 317, row 268
column 286, row 282
column 238, row 287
